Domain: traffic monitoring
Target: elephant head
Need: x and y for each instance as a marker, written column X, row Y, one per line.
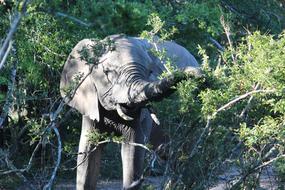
column 122, row 78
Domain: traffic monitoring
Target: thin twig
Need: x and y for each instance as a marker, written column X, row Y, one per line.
column 200, row 139
column 52, row 52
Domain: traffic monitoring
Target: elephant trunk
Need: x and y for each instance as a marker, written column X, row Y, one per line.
column 139, row 91
column 143, row 91
column 157, row 90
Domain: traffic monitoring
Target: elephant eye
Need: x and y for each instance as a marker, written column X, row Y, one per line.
column 112, row 76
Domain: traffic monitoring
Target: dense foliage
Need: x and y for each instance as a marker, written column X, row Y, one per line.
column 231, row 118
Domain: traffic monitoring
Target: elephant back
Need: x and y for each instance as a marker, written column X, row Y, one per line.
column 179, row 56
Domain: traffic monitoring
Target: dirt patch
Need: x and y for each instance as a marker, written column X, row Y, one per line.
column 110, row 184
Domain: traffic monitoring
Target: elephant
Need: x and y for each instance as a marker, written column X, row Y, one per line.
column 112, row 97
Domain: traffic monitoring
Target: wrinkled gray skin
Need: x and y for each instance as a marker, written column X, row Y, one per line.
column 112, row 97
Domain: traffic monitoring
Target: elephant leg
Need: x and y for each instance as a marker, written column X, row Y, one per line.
column 88, row 163
column 133, row 156
column 158, row 140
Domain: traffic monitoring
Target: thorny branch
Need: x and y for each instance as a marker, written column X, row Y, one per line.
column 53, row 117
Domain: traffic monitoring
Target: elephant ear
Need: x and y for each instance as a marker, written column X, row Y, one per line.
column 76, row 70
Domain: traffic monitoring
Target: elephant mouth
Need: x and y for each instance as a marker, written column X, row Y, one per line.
column 126, row 112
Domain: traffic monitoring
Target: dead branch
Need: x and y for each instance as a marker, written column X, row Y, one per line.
column 248, row 102
column 48, row 186
column 217, row 44
column 27, row 168
column 19, row 174
column 4, row 51
column 200, row 139
column 228, row 34
column 9, row 98
column 87, row 154
column 74, row 19
column 232, row 102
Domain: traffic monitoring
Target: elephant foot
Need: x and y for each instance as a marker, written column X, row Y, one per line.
column 135, row 185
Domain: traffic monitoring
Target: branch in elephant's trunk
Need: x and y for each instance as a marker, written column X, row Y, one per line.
column 142, row 91
column 158, row 90
column 193, row 72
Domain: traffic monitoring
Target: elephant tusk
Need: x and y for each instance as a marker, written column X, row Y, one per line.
column 155, row 119
column 122, row 114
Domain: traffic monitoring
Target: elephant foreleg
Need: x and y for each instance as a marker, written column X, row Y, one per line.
column 88, row 162
column 133, row 156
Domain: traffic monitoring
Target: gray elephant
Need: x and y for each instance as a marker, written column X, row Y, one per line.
column 112, row 97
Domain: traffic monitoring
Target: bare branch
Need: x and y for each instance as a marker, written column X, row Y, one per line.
column 200, row 139
column 217, row 44
column 59, row 150
column 264, row 164
column 232, row 102
column 248, row 102
column 19, row 174
column 5, row 56
column 27, row 168
column 4, row 51
column 228, row 34
column 9, row 97
column 87, row 154
column 74, row 19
